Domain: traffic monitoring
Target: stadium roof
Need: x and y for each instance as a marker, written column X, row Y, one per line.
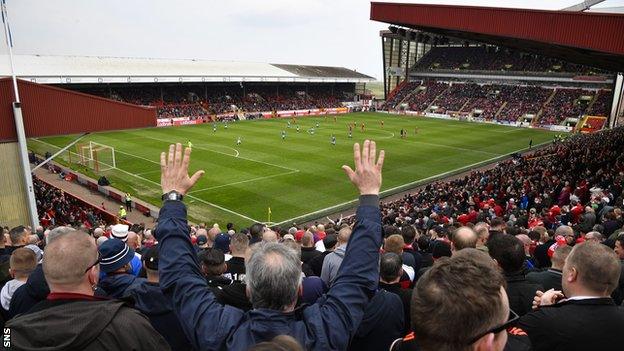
column 89, row 69
column 589, row 38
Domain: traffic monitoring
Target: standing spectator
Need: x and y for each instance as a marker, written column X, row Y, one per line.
column 316, row 264
column 508, row 252
column 150, row 300
column 551, row 278
column 72, row 317
column 463, row 238
column 308, row 251
column 36, row 288
column 618, row 293
column 128, row 201
column 23, row 262
column 236, row 265
column 590, row 274
column 409, row 237
column 273, row 272
column 332, row 261
column 390, row 271
column 115, row 263
column 212, row 265
column 481, row 324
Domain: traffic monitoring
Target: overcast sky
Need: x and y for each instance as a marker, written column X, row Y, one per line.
column 314, row 32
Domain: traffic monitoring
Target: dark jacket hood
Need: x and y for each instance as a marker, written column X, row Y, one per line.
column 70, row 326
column 115, row 285
column 148, row 298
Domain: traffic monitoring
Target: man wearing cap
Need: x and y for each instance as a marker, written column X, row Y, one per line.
column 71, row 317
column 120, row 231
column 150, row 300
column 115, row 264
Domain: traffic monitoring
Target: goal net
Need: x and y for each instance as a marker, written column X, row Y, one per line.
column 96, row 156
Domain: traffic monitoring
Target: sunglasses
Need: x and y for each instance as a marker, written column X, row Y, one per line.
column 511, row 321
column 99, row 259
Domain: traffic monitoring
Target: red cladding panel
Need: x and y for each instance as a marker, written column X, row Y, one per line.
column 53, row 111
column 594, row 31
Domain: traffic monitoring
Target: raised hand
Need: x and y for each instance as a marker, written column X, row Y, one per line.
column 367, row 174
column 174, row 170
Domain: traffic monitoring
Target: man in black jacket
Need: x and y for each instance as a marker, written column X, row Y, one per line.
column 588, row 319
column 508, row 251
column 551, row 278
column 149, row 299
column 390, row 272
column 72, row 318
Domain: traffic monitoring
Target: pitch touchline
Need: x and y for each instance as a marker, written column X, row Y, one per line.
column 158, row 184
column 406, row 185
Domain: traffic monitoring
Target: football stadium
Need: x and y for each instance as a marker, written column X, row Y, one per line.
column 474, row 186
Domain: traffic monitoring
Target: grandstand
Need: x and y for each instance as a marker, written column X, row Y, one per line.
column 481, row 75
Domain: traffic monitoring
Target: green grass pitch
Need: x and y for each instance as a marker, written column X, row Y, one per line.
column 301, row 174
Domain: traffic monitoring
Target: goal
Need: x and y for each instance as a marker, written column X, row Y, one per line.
column 96, row 156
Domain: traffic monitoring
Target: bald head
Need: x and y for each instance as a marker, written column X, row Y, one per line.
column 98, row 232
column 269, row 236
column 307, row 240
column 212, row 234
column 463, row 238
column 66, row 259
column 343, row 235
column 564, row 230
column 133, row 240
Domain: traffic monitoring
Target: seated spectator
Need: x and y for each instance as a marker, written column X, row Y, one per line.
column 115, row 264
column 551, row 278
column 590, row 274
column 508, row 252
column 332, row 261
column 23, row 262
column 481, row 324
column 72, row 317
column 273, row 273
column 150, row 300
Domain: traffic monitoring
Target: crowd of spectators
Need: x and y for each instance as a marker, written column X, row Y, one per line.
column 601, row 104
column 564, row 104
column 500, row 102
column 487, row 58
column 54, row 207
column 199, row 101
column 484, row 256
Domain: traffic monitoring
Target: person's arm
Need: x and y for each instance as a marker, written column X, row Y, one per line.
column 343, row 308
column 205, row 322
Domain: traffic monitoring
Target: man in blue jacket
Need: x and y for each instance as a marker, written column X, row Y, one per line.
column 273, row 271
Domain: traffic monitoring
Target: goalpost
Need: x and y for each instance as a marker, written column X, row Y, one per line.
column 99, row 157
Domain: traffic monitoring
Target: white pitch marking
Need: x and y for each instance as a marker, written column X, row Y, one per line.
column 158, row 184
